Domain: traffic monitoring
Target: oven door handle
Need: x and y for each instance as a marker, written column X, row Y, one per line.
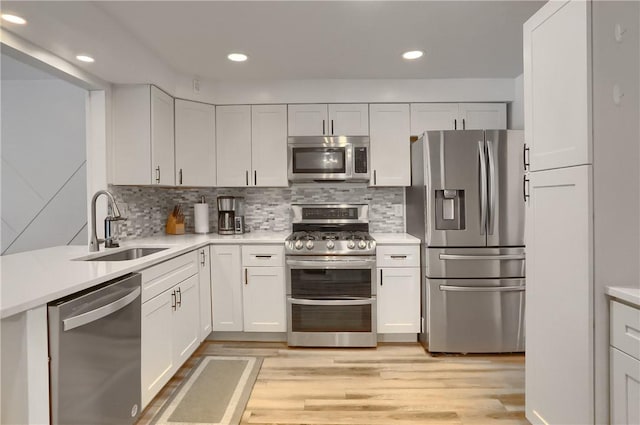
column 331, row 264
column 351, row 301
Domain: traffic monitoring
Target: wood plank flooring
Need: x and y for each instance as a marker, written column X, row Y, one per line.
column 391, row 384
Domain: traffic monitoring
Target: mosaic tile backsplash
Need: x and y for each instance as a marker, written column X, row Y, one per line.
column 147, row 207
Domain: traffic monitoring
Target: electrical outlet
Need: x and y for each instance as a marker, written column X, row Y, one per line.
column 397, row 209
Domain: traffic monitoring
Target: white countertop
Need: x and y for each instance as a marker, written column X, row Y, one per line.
column 395, row 239
column 34, row 278
column 628, row 294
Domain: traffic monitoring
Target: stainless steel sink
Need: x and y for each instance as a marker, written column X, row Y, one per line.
column 127, row 254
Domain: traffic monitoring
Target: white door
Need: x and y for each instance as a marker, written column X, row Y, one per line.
column 204, row 275
column 482, row 116
column 390, row 145
column 625, row 388
column 195, row 144
column 186, row 320
column 433, row 116
column 557, row 85
column 399, row 300
column 226, row 288
column 263, row 295
column 308, row 120
column 162, row 137
column 269, row 145
column 559, row 319
column 233, row 145
column 349, row 119
column 157, row 347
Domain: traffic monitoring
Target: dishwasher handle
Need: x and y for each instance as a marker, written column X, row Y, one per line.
column 100, row 312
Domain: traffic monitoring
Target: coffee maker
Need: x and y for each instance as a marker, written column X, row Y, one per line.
column 226, row 215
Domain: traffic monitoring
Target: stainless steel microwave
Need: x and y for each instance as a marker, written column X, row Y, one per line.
column 328, row 158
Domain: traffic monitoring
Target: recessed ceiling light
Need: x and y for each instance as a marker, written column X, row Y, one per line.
column 237, row 57
column 85, row 58
column 13, row 19
column 413, row 54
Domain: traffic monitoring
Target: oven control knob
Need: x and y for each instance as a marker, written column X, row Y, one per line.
column 309, row 245
column 362, row 244
column 330, row 244
column 351, row 244
column 298, row 245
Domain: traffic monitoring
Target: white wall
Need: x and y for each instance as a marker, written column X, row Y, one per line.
column 44, row 189
column 515, row 110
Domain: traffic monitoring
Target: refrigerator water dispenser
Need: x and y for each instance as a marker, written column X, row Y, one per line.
column 450, row 209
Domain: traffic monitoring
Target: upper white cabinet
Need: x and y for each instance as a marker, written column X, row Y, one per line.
column 457, row 116
column 557, row 72
column 195, row 143
column 390, row 145
column 251, row 153
column 143, row 136
column 226, row 287
column 269, row 145
column 329, row 120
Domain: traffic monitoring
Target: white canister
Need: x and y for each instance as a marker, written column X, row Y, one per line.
column 201, row 217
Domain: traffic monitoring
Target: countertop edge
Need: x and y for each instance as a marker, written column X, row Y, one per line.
column 628, row 294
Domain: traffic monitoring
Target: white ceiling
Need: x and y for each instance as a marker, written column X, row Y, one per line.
column 284, row 40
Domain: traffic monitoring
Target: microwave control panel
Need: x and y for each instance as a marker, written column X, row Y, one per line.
column 360, row 160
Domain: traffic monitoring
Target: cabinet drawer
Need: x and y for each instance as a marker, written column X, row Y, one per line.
column 625, row 328
column 163, row 276
column 263, row 255
column 398, row 256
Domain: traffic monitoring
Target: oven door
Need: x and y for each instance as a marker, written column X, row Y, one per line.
column 310, row 162
column 331, row 302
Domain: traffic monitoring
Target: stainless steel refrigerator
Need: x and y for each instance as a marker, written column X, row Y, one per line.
column 466, row 205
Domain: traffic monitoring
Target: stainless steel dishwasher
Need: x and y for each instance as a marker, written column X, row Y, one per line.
column 94, row 347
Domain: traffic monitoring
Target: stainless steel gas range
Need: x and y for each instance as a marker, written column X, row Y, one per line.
column 331, row 277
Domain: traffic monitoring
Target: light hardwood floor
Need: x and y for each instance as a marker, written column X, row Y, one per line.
column 390, row 384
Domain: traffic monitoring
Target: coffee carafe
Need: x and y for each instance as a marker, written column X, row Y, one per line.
column 226, row 215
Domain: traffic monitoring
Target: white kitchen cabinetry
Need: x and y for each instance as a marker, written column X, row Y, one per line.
column 195, row 143
column 226, row 287
column 251, row 145
column 398, row 294
column 170, row 320
column 624, row 364
column 263, row 289
column 457, row 116
column 204, row 274
column 143, row 136
column 390, row 145
column 578, row 132
column 328, row 120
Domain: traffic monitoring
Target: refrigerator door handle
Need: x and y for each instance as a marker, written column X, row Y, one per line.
column 492, row 188
column 448, row 288
column 482, row 257
column 483, row 187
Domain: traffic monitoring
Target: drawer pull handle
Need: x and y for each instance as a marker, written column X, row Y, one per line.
column 263, row 256
column 398, row 257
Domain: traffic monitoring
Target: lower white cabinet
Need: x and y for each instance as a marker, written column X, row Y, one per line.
column 204, row 273
column 186, row 320
column 226, row 288
column 624, row 360
column 398, row 292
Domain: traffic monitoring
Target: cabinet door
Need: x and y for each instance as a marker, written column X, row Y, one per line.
column 482, row 116
column 557, row 85
column 186, row 320
column 204, row 276
column 559, row 294
column 625, row 388
column 157, row 347
column 308, row 120
column 162, row 138
column 399, row 300
column 263, row 294
column 195, row 144
column 233, row 145
column 226, row 288
column 349, row 119
column 269, row 145
column 390, row 145
column 433, row 116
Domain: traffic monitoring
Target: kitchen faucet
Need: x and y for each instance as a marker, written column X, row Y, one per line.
column 94, row 244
